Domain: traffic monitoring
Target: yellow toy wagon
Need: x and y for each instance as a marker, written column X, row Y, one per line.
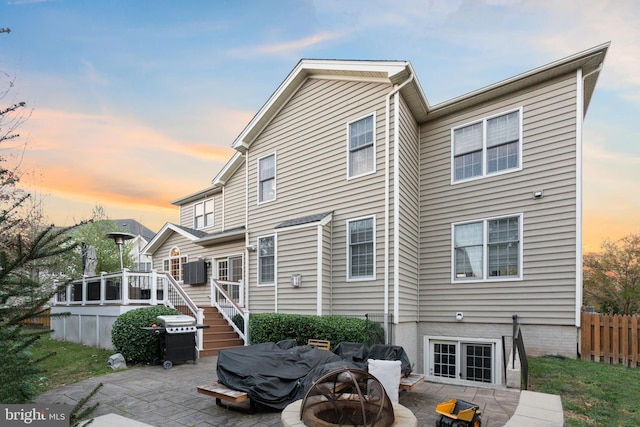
column 458, row 413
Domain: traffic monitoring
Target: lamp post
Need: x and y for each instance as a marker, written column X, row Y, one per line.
column 119, row 238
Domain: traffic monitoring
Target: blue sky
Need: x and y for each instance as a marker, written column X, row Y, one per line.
column 135, row 103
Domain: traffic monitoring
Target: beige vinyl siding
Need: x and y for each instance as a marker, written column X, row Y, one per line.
column 293, row 245
column 234, row 200
column 546, row 295
column 409, row 215
column 309, row 137
column 186, row 215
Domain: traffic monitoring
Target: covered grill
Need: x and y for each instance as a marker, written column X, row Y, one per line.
column 177, row 335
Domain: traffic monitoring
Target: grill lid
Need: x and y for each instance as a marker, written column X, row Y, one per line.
column 176, row 320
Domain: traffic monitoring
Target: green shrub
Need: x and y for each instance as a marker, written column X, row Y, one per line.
column 274, row 327
column 136, row 344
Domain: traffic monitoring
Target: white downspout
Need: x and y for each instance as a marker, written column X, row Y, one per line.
column 387, row 178
column 246, row 234
column 319, row 266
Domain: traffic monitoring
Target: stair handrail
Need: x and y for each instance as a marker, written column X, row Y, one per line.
column 198, row 313
column 228, row 303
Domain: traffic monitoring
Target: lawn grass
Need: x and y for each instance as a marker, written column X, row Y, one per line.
column 593, row 394
column 70, row 362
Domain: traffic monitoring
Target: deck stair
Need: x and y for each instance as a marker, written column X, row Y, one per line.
column 219, row 335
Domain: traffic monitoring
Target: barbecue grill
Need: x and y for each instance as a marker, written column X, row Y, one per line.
column 177, row 341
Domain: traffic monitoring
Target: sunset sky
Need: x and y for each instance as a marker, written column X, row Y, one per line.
column 134, row 104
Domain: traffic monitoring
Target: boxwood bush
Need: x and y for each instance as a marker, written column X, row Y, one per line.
column 274, row 327
column 136, row 344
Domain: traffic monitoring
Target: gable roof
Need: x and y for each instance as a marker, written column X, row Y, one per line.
column 167, row 230
column 197, row 237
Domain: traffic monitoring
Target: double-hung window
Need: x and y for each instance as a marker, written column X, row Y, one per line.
column 203, row 214
column 489, row 249
column 490, row 146
column 266, row 260
column 361, row 254
column 267, row 178
column 361, row 146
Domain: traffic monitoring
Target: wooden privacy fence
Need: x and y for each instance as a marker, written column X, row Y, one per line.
column 611, row 339
column 43, row 321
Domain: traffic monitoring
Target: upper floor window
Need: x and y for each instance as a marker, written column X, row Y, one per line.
column 203, row 214
column 173, row 264
column 361, row 242
column 267, row 178
column 361, row 146
column 487, row 147
column 488, row 249
column 266, row 260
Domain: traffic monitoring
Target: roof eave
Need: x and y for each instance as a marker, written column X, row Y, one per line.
column 587, row 60
column 392, row 72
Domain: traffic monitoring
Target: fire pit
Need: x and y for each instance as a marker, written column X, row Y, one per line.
column 347, row 397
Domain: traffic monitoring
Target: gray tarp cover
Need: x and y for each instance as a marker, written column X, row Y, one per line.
column 275, row 375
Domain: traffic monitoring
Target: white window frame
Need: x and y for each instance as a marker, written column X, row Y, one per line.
column 348, row 146
column 275, row 260
column 496, row 368
column 204, row 215
column 485, row 267
column 484, row 173
column 228, row 259
column 182, row 259
column 348, row 249
column 259, row 196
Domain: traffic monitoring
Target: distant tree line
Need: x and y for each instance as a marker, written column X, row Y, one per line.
column 611, row 277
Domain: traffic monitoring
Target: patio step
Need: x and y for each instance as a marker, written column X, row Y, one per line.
column 219, row 335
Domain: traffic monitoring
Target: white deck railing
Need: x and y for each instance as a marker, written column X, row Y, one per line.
column 130, row 288
column 228, row 297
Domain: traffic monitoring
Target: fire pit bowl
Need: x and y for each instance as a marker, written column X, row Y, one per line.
column 347, row 397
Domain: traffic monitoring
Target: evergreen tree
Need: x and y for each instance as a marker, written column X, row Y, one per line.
column 23, row 294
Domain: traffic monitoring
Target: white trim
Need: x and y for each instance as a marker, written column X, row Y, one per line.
column 484, row 173
column 396, row 208
column 319, row 246
column 275, row 179
column 348, row 240
column 485, row 272
column 579, row 218
column 496, row 368
column 203, row 202
column 375, row 145
column 275, row 259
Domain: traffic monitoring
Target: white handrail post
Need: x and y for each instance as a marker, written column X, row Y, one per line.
column 68, row 292
column 154, row 287
column 125, row 287
column 212, row 291
column 200, row 321
column 84, row 290
column 246, row 327
column 241, row 293
column 103, row 289
column 165, row 289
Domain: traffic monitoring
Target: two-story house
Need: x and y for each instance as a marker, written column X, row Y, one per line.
column 350, row 194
